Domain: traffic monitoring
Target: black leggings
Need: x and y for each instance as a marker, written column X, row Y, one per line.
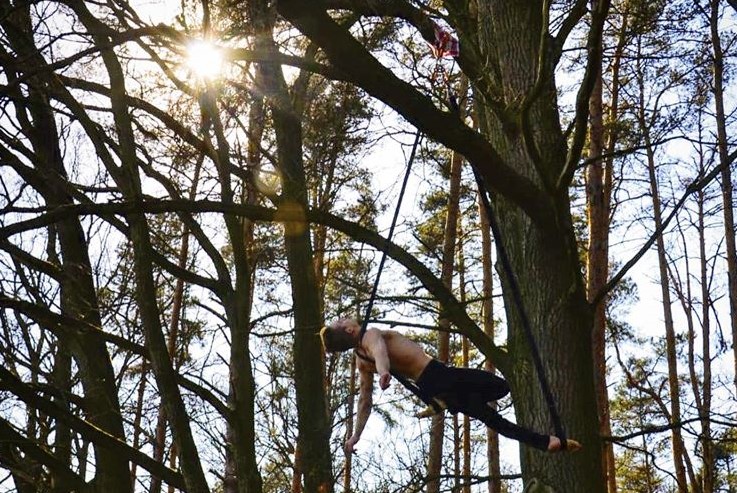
column 468, row 390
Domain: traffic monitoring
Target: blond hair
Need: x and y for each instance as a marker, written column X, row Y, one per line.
column 335, row 338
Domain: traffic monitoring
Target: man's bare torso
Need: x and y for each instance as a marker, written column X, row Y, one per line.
column 405, row 356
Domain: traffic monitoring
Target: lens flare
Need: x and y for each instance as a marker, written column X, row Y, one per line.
column 204, row 59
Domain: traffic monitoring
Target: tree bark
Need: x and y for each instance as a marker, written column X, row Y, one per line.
column 670, row 336
column 313, row 422
column 598, row 193
column 727, row 196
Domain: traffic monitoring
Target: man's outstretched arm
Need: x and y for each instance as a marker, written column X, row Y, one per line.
column 365, row 400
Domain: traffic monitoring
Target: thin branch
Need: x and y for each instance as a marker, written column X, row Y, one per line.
column 13, row 384
column 695, row 186
column 593, row 70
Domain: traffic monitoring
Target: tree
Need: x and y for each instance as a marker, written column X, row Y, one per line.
column 518, row 116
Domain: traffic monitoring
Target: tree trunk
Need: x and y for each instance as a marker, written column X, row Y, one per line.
column 313, row 422
column 727, row 201
column 237, row 302
column 176, row 308
column 670, row 336
column 598, row 193
column 137, row 416
column 434, row 465
column 546, row 264
column 487, row 315
column 350, row 404
column 707, row 444
column 465, row 355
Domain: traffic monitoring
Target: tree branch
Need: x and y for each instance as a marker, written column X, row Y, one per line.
column 593, row 69
column 12, row 384
column 650, row 429
column 64, row 478
column 573, row 18
column 349, row 56
column 694, row 187
column 454, row 309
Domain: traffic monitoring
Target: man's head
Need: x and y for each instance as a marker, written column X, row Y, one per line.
column 341, row 335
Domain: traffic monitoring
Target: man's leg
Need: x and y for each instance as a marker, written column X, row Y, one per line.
column 477, row 407
column 480, row 382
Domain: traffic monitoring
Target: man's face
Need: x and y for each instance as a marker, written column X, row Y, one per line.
column 353, row 328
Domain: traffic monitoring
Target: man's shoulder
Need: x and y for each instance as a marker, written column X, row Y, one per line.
column 375, row 332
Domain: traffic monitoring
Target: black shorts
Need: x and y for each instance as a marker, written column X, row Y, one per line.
column 469, row 391
column 454, row 384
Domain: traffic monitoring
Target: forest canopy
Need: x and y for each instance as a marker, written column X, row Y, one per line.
column 191, row 190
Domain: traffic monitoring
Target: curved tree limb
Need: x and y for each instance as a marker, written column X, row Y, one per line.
column 454, row 309
column 349, row 56
column 593, row 68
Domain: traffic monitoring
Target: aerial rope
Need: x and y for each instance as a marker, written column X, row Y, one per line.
column 445, row 45
column 408, row 384
column 375, row 288
column 517, row 298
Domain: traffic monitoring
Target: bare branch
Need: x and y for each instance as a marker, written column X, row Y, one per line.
column 13, row 384
column 593, row 68
column 694, row 187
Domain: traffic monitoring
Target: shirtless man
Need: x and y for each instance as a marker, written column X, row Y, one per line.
column 463, row 390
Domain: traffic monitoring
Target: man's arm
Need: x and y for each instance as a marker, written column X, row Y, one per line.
column 365, row 400
column 373, row 341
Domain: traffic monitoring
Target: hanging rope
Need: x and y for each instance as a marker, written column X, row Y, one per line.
column 517, row 298
column 408, row 384
column 372, row 297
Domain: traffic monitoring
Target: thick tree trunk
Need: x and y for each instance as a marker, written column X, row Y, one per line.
column 547, row 267
column 313, row 422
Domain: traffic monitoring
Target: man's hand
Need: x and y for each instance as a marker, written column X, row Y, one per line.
column 384, row 381
column 350, row 443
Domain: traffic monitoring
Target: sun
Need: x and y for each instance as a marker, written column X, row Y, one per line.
column 204, row 59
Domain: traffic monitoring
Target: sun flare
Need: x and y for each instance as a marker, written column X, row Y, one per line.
column 204, row 59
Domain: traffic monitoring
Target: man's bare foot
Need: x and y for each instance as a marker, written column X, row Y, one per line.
column 431, row 410
column 554, row 445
